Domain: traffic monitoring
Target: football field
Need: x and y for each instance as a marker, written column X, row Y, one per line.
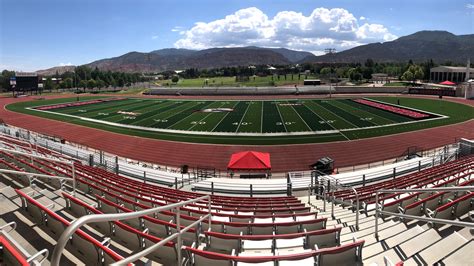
column 252, row 118
column 252, row 122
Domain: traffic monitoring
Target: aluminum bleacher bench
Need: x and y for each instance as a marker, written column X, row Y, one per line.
column 155, row 226
column 349, row 254
column 227, row 242
column 12, row 253
column 87, row 248
column 454, row 209
column 136, row 239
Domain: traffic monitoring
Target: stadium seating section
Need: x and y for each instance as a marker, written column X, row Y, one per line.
column 280, row 230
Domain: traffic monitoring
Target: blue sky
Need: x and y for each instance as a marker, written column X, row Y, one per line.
column 40, row 34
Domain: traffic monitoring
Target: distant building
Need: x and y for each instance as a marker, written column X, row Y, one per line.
column 454, row 74
column 380, row 77
column 54, row 80
column 312, row 82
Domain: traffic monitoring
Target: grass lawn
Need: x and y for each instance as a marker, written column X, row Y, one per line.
column 397, row 84
column 231, row 81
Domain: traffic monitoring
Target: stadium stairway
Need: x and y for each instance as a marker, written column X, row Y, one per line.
column 414, row 243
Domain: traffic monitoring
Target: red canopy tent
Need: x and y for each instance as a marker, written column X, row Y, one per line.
column 447, row 82
column 250, row 161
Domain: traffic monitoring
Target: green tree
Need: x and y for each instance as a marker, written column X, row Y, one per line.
column 48, row 84
column 82, row 84
column 325, row 71
column 5, row 79
column 367, row 72
column 120, row 82
column 175, row 79
column 355, row 74
column 100, row 84
column 91, row 84
column 413, row 73
column 369, row 63
column 67, row 83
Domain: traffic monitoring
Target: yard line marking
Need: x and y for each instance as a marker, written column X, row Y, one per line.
column 176, row 106
column 322, row 106
column 281, row 117
column 373, row 114
column 361, row 114
column 340, row 132
column 197, row 104
column 261, row 118
column 148, row 115
column 236, row 103
column 204, row 118
column 310, row 129
column 240, row 123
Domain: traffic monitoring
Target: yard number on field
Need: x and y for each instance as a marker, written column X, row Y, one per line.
column 326, row 122
column 242, row 124
column 286, row 123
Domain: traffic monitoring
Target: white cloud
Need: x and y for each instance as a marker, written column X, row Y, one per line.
column 65, row 64
column 374, row 32
column 470, row 6
column 177, row 29
column 362, row 18
column 323, row 28
column 154, row 37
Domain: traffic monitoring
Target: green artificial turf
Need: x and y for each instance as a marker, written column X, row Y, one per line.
column 278, row 116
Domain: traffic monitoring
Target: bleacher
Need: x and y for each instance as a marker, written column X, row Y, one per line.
column 270, row 230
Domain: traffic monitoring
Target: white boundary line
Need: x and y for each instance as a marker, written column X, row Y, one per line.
column 186, row 132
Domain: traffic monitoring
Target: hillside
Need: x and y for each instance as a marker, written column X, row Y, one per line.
column 441, row 46
column 172, row 59
column 52, row 71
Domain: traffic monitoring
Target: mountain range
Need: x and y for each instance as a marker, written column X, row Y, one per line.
column 440, row 46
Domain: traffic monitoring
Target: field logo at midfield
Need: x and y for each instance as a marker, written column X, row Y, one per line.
column 290, row 104
column 128, row 113
column 216, row 110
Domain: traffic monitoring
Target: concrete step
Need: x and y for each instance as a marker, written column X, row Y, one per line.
column 366, row 229
column 385, row 233
column 375, row 256
column 406, row 235
column 438, row 250
column 418, row 243
column 462, row 256
column 467, row 233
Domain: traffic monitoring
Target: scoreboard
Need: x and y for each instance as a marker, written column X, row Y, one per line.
column 26, row 81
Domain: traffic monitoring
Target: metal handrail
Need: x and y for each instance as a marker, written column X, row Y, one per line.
column 12, row 226
column 420, row 218
column 65, row 236
column 33, row 155
column 49, row 159
column 32, row 175
column 357, row 208
column 310, row 187
column 336, row 185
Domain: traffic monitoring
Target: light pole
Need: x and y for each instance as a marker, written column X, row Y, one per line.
column 330, row 52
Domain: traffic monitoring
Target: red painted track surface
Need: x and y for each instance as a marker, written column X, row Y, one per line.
column 283, row 157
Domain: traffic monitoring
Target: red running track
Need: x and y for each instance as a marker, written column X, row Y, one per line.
column 283, row 157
